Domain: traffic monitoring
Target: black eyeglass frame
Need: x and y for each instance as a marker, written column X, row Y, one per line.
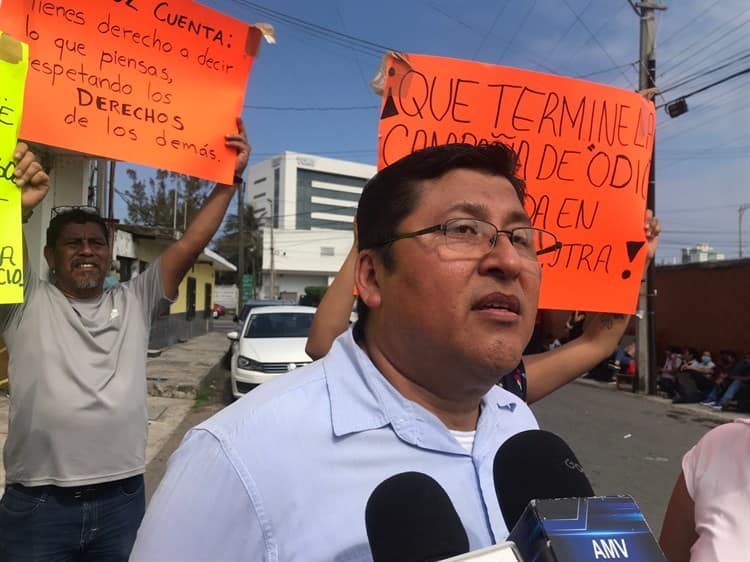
column 443, row 227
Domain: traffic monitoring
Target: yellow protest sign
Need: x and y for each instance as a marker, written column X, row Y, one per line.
column 13, row 65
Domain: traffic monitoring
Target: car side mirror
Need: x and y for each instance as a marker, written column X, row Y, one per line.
column 234, row 336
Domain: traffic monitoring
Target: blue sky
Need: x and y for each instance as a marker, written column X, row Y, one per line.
column 702, row 158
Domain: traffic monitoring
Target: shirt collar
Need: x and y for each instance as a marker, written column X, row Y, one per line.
column 362, row 399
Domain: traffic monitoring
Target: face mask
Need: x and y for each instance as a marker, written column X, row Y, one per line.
column 705, row 359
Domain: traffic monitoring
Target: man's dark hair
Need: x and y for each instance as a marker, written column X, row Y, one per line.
column 394, row 192
column 76, row 216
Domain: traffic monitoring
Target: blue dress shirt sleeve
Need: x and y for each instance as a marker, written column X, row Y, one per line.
column 202, row 510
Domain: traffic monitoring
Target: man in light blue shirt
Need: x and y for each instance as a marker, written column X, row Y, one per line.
column 447, row 303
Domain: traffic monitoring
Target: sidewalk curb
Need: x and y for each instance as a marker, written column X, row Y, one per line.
column 177, row 372
column 692, row 409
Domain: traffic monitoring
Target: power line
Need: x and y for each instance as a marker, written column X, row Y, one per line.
column 711, row 85
column 683, row 53
column 517, row 30
column 342, row 39
column 312, row 108
column 596, row 40
column 700, row 74
column 489, row 30
column 606, row 70
column 688, row 24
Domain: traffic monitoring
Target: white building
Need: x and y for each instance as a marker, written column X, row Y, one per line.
column 313, row 201
column 700, row 253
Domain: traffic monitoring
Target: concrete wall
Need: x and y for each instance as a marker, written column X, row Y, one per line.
column 303, row 257
column 704, row 305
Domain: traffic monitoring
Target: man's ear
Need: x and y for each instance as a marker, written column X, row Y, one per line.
column 49, row 255
column 366, row 278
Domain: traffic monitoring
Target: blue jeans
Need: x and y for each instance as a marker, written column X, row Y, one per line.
column 86, row 523
column 732, row 391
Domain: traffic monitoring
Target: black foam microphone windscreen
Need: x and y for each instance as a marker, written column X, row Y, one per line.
column 410, row 518
column 536, row 465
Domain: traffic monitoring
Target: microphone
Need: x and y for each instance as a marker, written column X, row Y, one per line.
column 548, row 503
column 410, row 518
column 536, row 465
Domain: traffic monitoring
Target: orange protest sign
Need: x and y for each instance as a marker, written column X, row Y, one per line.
column 584, row 151
column 154, row 82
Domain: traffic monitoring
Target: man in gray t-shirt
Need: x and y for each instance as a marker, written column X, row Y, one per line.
column 75, row 453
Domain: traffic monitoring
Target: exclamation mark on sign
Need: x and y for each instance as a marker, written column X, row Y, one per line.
column 633, row 249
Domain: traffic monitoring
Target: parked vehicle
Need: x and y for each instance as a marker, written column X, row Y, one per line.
column 218, row 311
column 272, row 343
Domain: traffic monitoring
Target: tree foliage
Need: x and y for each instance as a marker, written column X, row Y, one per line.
column 151, row 202
column 228, row 245
column 313, row 295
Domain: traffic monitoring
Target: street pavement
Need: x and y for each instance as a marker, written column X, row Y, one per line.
column 627, row 443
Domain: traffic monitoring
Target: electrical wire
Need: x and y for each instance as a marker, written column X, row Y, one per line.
column 517, row 30
column 336, row 37
column 596, row 40
column 312, row 108
column 703, row 73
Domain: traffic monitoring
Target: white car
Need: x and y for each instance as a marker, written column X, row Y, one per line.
column 272, row 343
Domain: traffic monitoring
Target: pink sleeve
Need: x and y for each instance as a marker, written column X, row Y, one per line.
column 689, row 462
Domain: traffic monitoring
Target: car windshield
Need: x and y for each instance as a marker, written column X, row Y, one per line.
column 257, row 304
column 279, row 325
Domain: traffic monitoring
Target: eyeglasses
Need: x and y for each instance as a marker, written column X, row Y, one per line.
column 61, row 210
column 474, row 238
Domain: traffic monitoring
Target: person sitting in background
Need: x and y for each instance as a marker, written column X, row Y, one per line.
column 625, row 358
column 736, row 378
column 666, row 381
column 695, row 379
column 707, row 519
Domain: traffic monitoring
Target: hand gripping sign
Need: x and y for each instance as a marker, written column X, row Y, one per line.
column 13, row 64
column 154, row 82
column 584, row 150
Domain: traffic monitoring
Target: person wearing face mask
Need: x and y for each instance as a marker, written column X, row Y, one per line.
column 695, row 379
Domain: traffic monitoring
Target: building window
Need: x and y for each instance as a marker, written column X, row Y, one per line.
column 207, row 300
column 164, row 308
column 190, row 314
column 276, row 189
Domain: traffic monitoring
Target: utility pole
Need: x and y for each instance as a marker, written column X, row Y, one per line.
column 101, row 186
column 241, row 250
column 645, row 331
column 742, row 210
column 272, row 290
